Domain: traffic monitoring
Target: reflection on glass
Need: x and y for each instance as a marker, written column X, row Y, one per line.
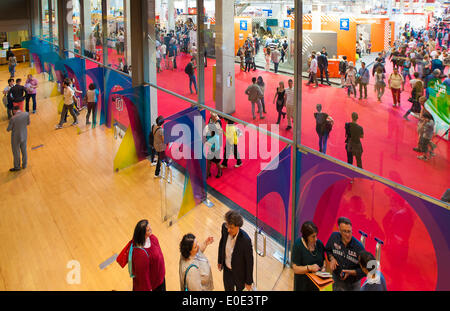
column 175, row 43
column 54, row 21
column 93, row 30
column 76, row 26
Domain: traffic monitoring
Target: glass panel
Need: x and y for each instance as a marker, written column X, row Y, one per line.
column 76, row 20
column 175, row 42
column 273, row 220
column 93, row 29
column 118, row 35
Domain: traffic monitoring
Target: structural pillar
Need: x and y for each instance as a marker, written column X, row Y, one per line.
column 201, row 52
column 225, row 66
column 297, row 126
column 127, row 26
column 105, row 31
column 50, row 20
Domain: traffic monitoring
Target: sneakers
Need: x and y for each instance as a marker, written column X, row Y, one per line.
column 405, row 117
column 154, row 163
column 262, row 117
column 75, row 123
column 238, row 165
column 14, row 169
column 288, row 128
column 58, row 126
column 157, row 176
column 34, row 111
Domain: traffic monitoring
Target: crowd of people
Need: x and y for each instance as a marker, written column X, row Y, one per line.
column 343, row 255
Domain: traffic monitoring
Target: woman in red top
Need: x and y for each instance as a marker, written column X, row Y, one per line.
column 147, row 260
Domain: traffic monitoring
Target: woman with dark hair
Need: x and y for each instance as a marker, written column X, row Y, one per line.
column 92, row 97
column 195, row 270
column 308, row 256
column 147, row 269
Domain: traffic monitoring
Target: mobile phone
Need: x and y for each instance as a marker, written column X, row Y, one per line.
column 342, row 274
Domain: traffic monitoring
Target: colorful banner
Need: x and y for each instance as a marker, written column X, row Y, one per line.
column 195, row 162
column 273, row 195
column 415, row 232
column 114, row 81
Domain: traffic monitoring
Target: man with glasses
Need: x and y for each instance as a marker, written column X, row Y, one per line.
column 343, row 251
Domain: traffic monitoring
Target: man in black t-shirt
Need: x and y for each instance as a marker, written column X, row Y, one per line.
column 353, row 134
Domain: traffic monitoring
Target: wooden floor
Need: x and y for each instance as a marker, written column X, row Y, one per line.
column 70, row 205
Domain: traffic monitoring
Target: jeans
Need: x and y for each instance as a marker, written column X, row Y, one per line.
column 27, row 102
column 275, row 67
column 351, row 88
column 354, row 151
column 380, row 91
column 263, row 105
column 12, row 70
column 322, row 71
column 17, row 149
column 323, row 142
column 362, row 86
column 260, row 111
column 92, row 107
column 192, row 80
column 396, row 96
column 161, row 157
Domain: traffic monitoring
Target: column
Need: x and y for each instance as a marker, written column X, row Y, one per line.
column 50, row 20
column 150, row 56
column 105, row 31
column 315, row 15
column 224, row 45
column 201, row 52
column 127, row 24
column 62, row 26
column 297, row 110
column 35, row 19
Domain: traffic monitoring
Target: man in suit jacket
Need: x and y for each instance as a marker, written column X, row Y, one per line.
column 18, row 128
column 235, row 254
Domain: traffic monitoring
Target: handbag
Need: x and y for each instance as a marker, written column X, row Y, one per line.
column 122, row 259
column 185, row 276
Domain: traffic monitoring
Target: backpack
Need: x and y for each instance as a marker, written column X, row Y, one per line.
column 329, row 125
column 343, row 66
column 186, row 69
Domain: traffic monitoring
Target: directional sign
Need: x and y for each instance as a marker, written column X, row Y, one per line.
column 286, row 23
